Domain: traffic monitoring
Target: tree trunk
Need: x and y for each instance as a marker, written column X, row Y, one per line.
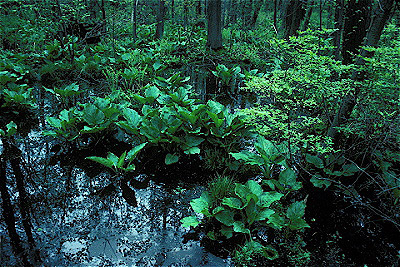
column 214, row 37
column 293, row 15
column 257, row 7
column 8, row 215
column 198, row 8
column 23, row 199
column 185, row 14
column 160, row 19
column 172, row 9
column 233, row 11
column 275, row 16
column 320, row 14
column 246, row 14
column 134, row 19
column 356, row 24
column 339, row 21
column 380, row 16
column 308, row 14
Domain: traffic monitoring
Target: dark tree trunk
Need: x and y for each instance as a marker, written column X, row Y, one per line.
column 339, row 21
column 246, row 13
column 275, row 16
column 330, row 12
column 233, row 11
column 308, row 14
column 103, row 12
column 198, row 8
column 320, row 14
column 214, row 37
column 172, row 9
column 257, row 7
column 23, row 199
column 380, row 16
column 8, row 215
column 185, row 14
column 160, row 19
column 293, row 15
column 356, row 24
column 134, row 19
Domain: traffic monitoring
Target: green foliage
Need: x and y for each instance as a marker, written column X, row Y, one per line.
column 267, row 157
column 11, row 129
column 245, row 255
column 298, row 94
column 122, row 163
column 228, row 76
column 14, row 76
column 244, row 209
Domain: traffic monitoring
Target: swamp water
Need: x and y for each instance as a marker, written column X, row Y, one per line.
column 74, row 227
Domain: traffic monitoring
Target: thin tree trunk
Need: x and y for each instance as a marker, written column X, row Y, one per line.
column 357, row 18
column 172, row 9
column 23, row 200
column 320, row 14
column 293, row 15
column 198, row 8
column 308, row 14
column 275, row 16
column 380, row 17
column 160, row 19
column 214, row 36
column 103, row 12
column 134, row 19
column 8, row 215
column 339, row 21
column 185, row 14
column 257, row 8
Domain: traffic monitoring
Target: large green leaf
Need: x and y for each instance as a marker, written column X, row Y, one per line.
column 152, row 92
column 315, row 160
column 276, row 221
column 287, row 177
column 92, row 115
column 251, row 211
column 239, row 227
column 171, row 159
column 121, row 160
column 227, row 231
column 190, row 221
column 192, row 141
column 54, row 122
column 267, row 198
column 254, row 187
column 233, row 202
column 134, row 151
column 296, row 210
column 265, row 147
column 106, row 162
column 264, row 214
column 215, row 107
column 225, row 217
column 297, row 224
column 192, row 150
column 248, row 157
column 114, row 159
column 242, row 191
column 132, row 117
column 318, row 181
column 202, row 204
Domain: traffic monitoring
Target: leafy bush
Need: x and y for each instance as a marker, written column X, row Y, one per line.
column 244, row 209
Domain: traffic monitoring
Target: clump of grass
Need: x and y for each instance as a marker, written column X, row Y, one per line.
column 220, row 187
column 253, row 253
